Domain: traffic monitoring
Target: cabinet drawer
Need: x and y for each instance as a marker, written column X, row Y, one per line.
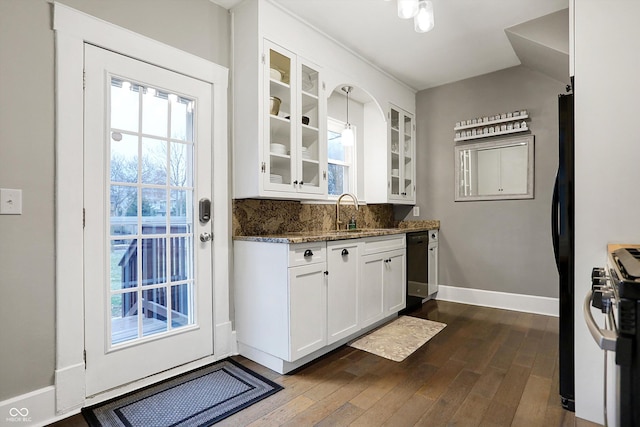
column 374, row 245
column 316, row 252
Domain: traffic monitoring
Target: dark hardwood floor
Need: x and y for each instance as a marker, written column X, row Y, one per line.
column 488, row 367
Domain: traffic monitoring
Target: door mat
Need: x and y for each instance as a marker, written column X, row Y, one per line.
column 198, row 398
column 400, row 338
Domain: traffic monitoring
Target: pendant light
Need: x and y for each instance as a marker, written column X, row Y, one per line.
column 424, row 21
column 407, row 8
column 347, row 132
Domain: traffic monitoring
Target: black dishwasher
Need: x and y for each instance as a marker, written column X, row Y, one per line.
column 417, row 268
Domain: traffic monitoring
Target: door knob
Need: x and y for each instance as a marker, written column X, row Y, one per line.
column 205, row 237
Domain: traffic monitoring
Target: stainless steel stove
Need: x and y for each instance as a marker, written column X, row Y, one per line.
column 615, row 290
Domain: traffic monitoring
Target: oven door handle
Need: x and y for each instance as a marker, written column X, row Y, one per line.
column 605, row 338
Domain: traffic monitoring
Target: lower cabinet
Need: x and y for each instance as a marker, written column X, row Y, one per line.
column 383, row 284
column 343, row 260
column 307, row 308
column 293, row 302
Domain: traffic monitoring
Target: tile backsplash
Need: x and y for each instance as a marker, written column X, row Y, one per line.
column 252, row 217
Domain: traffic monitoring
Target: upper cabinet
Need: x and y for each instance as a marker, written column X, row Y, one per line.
column 283, row 74
column 280, row 147
column 390, row 167
column 401, row 167
column 294, row 147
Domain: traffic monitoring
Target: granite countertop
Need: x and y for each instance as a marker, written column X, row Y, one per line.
column 321, row 236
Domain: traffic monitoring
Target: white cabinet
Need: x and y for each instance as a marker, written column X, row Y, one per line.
column 294, row 302
column 398, row 157
column 308, row 309
column 280, row 296
column 343, row 261
column 279, row 120
column 383, row 273
column 503, row 171
column 402, row 183
column 296, row 160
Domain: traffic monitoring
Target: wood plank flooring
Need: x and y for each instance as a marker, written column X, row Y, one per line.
column 488, row 367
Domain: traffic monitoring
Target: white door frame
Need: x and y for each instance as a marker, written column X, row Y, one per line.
column 72, row 30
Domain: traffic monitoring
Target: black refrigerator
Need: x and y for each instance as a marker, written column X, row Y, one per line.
column 562, row 225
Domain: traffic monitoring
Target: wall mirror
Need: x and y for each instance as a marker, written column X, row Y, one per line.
column 495, row 170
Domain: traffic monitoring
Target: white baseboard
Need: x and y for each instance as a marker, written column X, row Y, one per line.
column 36, row 408
column 516, row 302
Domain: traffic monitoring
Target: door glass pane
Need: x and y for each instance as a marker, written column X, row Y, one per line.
column 151, row 241
column 180, row 164
column 155, row 110
column 154, row 211
column 124, row 157
column 182, row 119
column 123, row 263
column 181, row 303
column 154, row 311
column 124, row 210
column 125, row 106
column 154, row 265
column 124, row 317
column 154, row 161
column 181, row 259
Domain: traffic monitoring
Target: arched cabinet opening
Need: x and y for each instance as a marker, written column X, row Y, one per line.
column 351, row 107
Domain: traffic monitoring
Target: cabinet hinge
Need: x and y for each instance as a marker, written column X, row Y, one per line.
column 324, row 175
column 263, row 168
column 388, row 184
column 324, row 86
column 84, row 79
column 84, row 357
column 84, row 217
column 389, row 115
column 264, row 59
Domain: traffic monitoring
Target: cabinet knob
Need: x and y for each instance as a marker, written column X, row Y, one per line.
column 308, row 253
column 295, row 182
column 326, row 273
column 301, row 182
column 345, row 252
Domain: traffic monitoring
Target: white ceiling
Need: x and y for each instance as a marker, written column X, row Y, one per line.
column 468, row 38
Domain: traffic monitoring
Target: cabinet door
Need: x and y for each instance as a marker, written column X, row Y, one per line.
column 307, row 309
column 394, row 281
column 371, row 288
column 311, row 141
column 279, row 131
column 342, row 289
column 402, row 156
column 513, row 169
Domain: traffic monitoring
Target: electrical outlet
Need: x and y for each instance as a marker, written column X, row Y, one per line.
column 416, row 211
column 10, row 201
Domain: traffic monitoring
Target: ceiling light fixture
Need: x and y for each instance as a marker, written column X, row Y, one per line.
column 407, row 8
column 424, row 21
column 347, row 132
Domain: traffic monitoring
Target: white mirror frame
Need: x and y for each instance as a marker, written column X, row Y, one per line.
column 527, row 140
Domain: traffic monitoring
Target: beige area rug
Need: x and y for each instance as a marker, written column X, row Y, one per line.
column 400, row 338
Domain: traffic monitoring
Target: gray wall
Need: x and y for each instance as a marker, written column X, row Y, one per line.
column 27, row 258
column 502, row 245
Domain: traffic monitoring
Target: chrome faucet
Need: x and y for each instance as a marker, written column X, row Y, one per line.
column 355, row 202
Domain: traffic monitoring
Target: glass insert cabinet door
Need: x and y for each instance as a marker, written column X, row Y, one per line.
column 293, row 136
column 402, row 159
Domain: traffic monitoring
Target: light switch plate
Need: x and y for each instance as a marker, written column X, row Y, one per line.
column 10, row 201
column 416, row 211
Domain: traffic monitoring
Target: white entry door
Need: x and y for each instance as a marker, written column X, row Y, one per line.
column 148, row 274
